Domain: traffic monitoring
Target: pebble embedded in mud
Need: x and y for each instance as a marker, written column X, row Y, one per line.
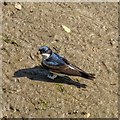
column 18, row 6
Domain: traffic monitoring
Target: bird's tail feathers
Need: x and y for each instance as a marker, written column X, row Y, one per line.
column 90, row 76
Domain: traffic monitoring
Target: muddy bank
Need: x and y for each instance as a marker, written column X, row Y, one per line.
column 91, row 45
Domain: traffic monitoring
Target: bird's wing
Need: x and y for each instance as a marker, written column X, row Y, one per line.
column 72, row 70
column 55, row 61
column 63, row 67
column 68, row 70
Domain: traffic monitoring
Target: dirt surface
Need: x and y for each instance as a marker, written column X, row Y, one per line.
column 91, row 45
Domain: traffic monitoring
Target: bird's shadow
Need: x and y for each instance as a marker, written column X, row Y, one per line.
column 40, row 74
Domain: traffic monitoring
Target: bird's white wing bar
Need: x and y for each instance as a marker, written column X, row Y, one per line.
column 71, row 67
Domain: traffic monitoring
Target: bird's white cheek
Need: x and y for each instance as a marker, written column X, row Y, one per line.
column 45, row 55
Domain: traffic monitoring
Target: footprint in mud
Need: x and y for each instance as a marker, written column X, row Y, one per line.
column 40, row 74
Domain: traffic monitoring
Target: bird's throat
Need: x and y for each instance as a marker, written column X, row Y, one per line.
column 45, row 56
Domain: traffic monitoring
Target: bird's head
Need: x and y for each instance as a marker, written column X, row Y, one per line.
column 45, row 51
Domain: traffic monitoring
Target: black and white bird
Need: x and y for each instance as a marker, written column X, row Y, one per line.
column 58, row 65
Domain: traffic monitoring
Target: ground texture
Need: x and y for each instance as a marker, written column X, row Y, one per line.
column 91, row 45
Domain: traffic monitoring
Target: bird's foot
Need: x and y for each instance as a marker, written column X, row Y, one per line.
column 52, row 76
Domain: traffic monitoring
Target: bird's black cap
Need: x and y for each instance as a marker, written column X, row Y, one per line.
column 45, row 49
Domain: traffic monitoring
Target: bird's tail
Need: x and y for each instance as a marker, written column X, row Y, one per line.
column 84, row 74
column 90, row 76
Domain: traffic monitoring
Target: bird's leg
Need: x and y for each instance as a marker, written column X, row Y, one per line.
column 52, row 76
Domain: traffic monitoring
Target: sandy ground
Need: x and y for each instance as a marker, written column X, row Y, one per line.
column 91, row 45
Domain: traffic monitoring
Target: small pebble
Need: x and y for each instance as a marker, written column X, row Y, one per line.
column 66, row 29
column 5, row 3
column 88, row 115
column 75, row 111
column 18, row 6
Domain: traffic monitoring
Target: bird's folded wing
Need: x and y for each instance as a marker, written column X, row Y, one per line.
column 63, row 69
column 66, row 69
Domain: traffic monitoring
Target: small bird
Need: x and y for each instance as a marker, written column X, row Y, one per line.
column 58, row 65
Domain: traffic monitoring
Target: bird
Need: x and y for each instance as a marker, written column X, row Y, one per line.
column 59, row 65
